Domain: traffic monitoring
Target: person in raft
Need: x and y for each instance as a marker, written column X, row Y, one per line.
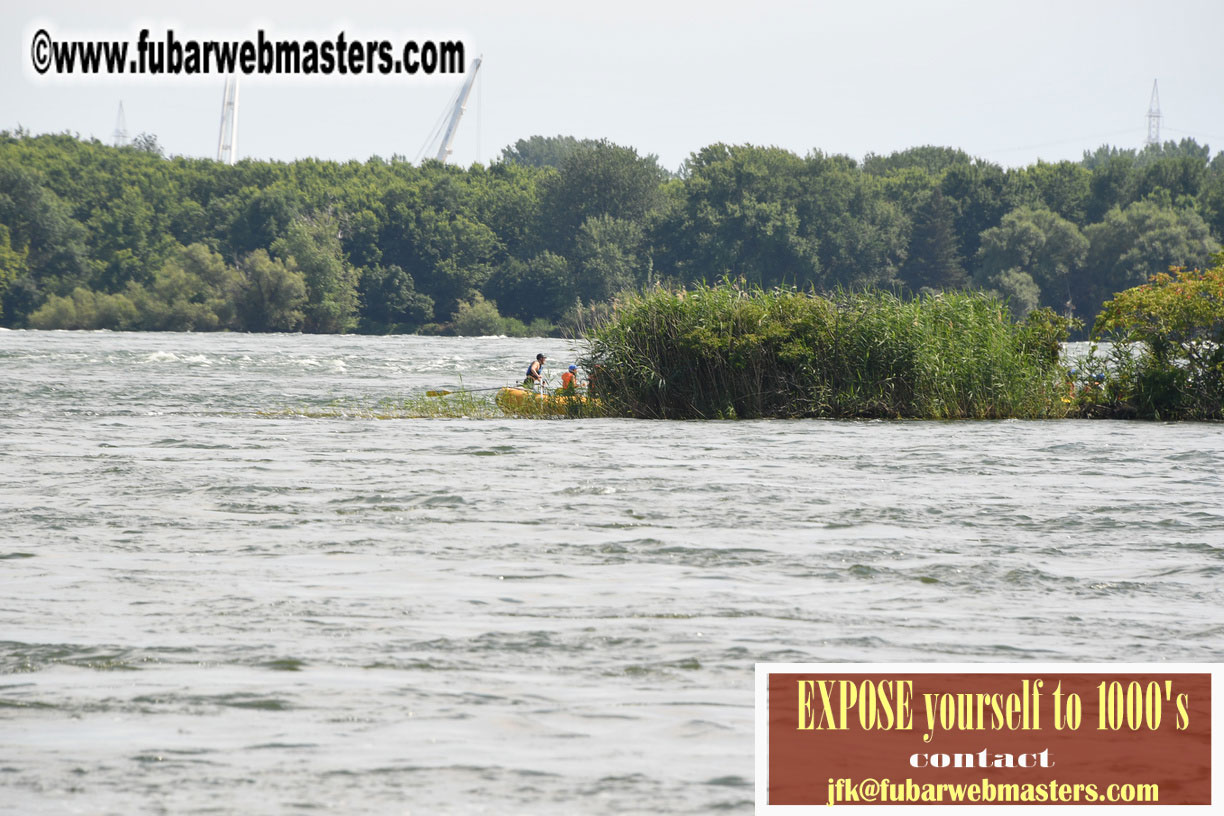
column 535, row 373
column 569, row 380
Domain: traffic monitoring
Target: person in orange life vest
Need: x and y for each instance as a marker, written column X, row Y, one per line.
column 535, row 373
column 569, row 380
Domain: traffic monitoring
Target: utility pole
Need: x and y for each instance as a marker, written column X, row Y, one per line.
column 227, row 141
column 1153, row 117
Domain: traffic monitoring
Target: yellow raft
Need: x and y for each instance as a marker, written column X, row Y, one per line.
column 528, row 403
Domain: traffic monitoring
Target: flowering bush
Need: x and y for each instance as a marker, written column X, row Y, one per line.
column 1176, row 320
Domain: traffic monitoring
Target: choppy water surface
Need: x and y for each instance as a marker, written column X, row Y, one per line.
column 205, row 608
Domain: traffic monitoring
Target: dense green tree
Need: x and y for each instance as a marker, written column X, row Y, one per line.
column 594, row 180
column 194, row 290
column 507, row 199
column 1176, row 321
column 1132, row 244
column 127, row 238
column 977, row 193
column 42, row 229
column 1186, row 148
column 1105, row 154
column 477, row 318
column 390, row 302
column 1177, row 180
column 738, row 218
column 930, row 159
column 934, row 260
column 608, row 258
column 255, row 218
column 84, row 308
column 456, row 254
column 1062, row 187
column 272, row 295
column 1211, row 198
column 1114, row 183
column 12, row 264
column 431, row 233
column 1016, row 288
column 1032, row 257
column 544, row 151
column 908, row 189
column 540, row 287
column 359, row 234
column 331, row 281
column 148, row 143
column 860, row 237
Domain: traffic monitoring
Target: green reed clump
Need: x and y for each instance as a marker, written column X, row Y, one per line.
column 725, row 351
column 482, row 404
column 460, row 404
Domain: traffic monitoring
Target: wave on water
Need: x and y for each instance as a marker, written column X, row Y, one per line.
column 542, row 617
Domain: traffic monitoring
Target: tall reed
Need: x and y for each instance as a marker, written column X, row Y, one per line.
column 725, row 351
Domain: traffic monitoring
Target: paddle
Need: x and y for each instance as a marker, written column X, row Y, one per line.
column 441, row 393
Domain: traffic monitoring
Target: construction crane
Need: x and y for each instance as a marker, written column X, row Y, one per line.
column 444, row 150
column 457, row 109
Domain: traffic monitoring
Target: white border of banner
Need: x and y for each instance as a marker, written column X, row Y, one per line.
column 763, row 670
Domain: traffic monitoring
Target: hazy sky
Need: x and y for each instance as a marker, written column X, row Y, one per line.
column 1008, row 81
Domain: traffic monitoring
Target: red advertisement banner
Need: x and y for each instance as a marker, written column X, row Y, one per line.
column 1040, row 737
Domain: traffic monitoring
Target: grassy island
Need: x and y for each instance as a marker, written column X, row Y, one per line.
column 728, row 351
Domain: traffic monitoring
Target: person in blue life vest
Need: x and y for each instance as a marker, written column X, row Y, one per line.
column 535, row 373
column 569, row 380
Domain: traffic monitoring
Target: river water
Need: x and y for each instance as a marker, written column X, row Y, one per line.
column 214, row 600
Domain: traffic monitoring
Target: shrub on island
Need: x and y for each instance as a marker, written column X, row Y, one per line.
column 1167, row 357
column 729, row 351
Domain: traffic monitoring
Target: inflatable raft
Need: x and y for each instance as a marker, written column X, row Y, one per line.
column 529, row 403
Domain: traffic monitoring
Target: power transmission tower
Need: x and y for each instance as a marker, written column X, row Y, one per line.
column 1153, row 137
column 227, row 141
column 120, row 133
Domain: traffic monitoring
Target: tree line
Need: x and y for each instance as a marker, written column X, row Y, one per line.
column 93, row 236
